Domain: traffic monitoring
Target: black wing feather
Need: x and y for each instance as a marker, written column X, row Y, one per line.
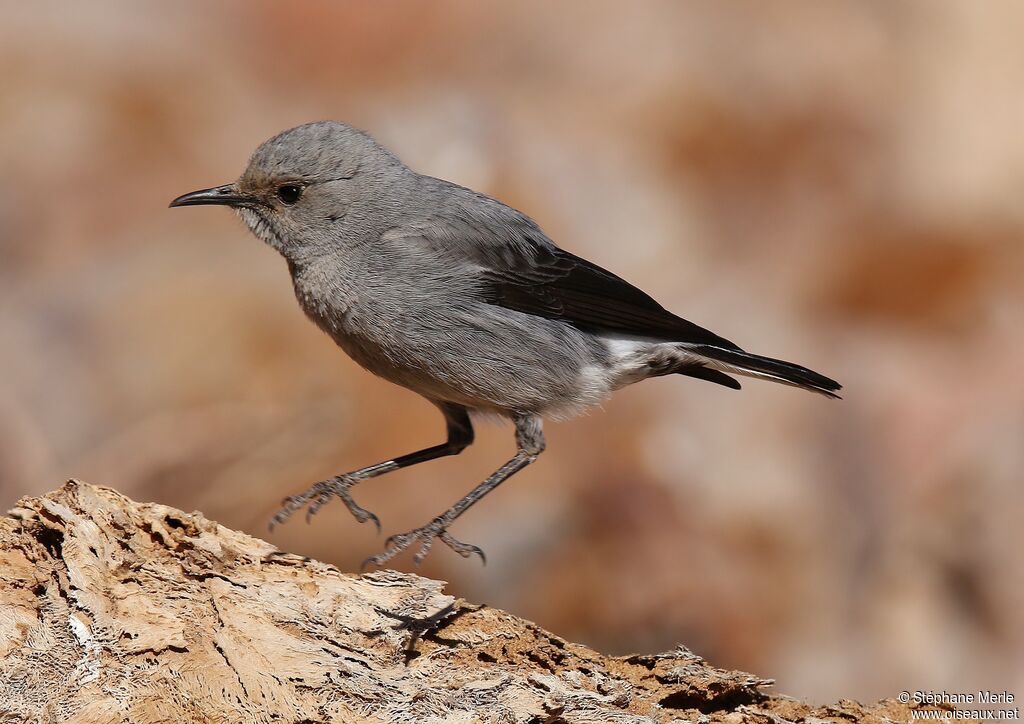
column 555, row 284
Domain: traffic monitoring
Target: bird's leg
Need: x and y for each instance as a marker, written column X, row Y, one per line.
column 460, row 436
column 530, row 444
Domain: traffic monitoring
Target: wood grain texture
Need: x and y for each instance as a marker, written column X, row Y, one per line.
column 117, row 611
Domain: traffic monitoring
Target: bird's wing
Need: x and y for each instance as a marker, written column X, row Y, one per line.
column 519, row 268
column 550, row 282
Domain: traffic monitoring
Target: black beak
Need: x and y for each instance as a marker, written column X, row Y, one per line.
column 226, row 195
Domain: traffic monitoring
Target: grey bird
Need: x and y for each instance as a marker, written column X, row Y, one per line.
column 457, row 297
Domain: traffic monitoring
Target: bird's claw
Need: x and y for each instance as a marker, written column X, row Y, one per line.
column 463, row 549
column 319, row 495
column 426, row 535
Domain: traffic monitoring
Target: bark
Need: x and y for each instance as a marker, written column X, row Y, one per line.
column 117, row 611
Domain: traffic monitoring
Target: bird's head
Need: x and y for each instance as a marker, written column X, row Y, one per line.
column 303, row 182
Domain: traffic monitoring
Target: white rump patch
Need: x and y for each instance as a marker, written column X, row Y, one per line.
column 635, row 358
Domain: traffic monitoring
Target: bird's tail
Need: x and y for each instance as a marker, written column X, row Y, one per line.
column 752, row 365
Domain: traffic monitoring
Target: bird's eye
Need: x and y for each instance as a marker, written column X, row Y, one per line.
column 289, row 193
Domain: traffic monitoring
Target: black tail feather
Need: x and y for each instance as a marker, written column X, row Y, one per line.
column 709, row 375
column 739, row 362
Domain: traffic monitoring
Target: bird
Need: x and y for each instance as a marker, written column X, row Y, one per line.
column 462, row 299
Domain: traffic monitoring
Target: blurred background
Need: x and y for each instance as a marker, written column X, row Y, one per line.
column 835, row 183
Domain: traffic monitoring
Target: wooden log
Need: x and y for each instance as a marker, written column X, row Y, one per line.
column 117, row 611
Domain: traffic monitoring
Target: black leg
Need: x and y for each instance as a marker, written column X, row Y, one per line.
column 460, row 436
column 529, row 443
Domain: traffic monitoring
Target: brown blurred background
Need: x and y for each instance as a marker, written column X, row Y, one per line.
column 836, row 183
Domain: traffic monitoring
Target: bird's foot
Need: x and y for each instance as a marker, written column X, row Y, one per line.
column 318, row 495
column 425, row 536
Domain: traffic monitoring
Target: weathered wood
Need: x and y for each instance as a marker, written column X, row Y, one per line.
column 117, row 611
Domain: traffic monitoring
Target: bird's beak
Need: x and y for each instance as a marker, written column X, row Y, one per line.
column 226, row 195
